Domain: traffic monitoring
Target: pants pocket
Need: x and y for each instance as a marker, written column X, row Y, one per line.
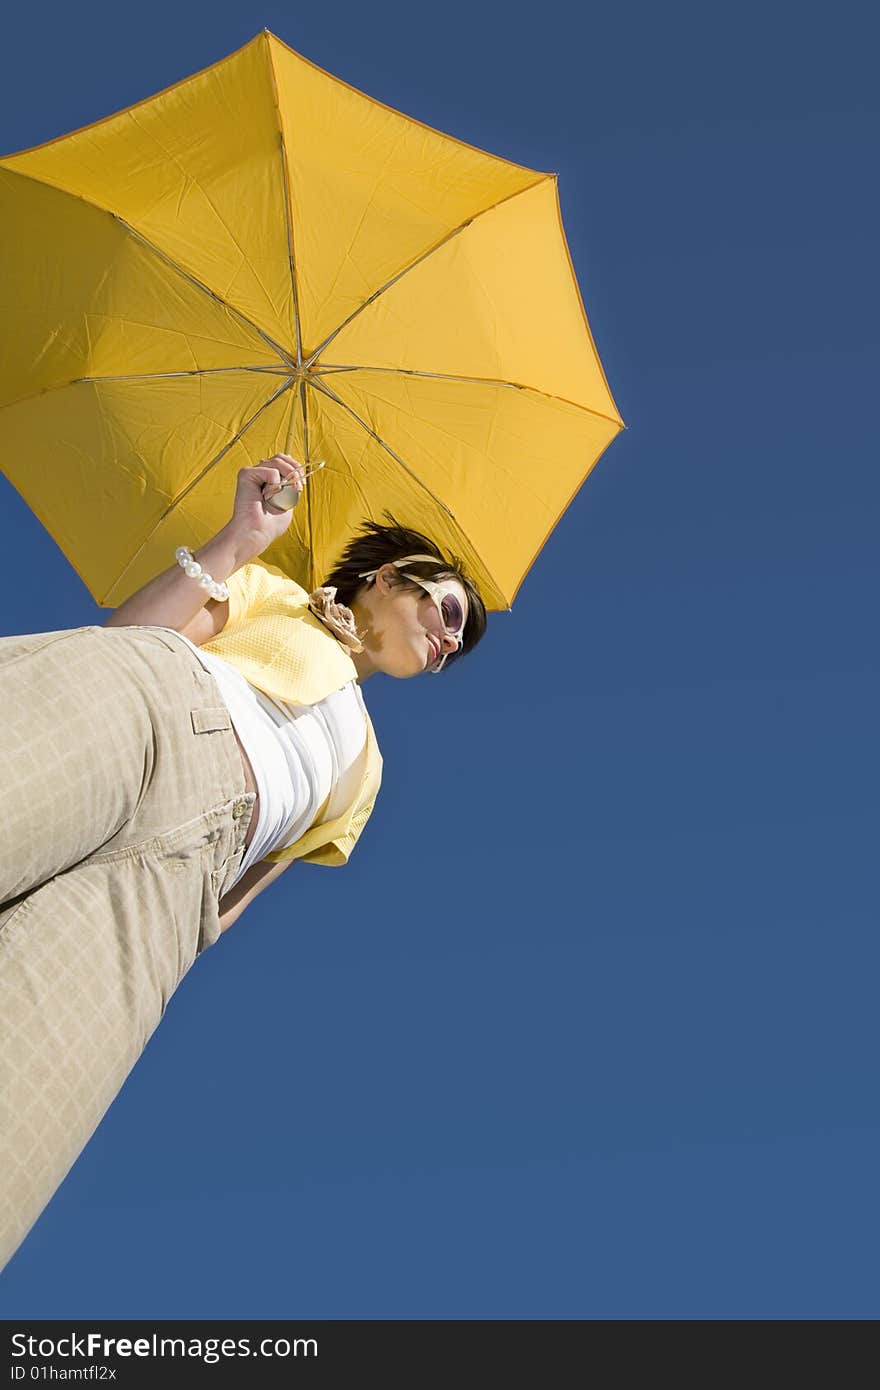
column 193, row 836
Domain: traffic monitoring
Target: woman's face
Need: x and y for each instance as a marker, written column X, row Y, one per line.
column 404, row 630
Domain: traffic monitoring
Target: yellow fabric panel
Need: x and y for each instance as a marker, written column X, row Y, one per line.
column 81, row 296
column 101, row 463
column 506, row 461
column 360, row 481
column 497, row 302
column 370, row 189
column 198, row 171
column 207, row 505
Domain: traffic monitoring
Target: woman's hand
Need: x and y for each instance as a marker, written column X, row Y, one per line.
column 173, row 600
column 254, row 524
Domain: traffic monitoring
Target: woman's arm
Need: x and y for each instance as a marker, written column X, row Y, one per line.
column 258, row 877
column 174, row 600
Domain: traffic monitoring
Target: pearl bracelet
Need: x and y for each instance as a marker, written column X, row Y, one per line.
column 191, row 567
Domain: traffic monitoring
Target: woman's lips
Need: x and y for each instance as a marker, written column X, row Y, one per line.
column 433, row 650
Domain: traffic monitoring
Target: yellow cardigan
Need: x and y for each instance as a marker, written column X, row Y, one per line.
column 278, row 645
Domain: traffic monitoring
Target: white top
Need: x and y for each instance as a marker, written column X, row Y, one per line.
column 300, row 754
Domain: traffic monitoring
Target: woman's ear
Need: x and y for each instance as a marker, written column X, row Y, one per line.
column 387, row 577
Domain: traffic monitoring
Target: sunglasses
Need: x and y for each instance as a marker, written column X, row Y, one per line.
column 445, row 600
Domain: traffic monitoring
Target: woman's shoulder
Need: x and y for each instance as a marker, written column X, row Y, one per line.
column 276, row 642
column 258, row 584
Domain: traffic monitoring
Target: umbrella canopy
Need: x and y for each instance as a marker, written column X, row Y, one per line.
column 261, row 259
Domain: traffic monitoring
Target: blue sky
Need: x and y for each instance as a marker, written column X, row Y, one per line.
column 625, row 1065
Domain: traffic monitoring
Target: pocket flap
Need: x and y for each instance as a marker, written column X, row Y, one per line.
column 208, row 721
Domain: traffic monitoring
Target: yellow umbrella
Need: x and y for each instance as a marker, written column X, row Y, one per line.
column 262, row 259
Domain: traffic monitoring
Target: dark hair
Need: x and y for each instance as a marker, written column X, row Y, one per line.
column 376, row 545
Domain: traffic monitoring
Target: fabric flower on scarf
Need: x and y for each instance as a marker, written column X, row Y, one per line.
column 336, row 617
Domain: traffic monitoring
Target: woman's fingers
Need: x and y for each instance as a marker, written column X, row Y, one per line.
column 288, row 466
column 269, row 477
column 265, row 477
column 279, row 471
column 292, row 476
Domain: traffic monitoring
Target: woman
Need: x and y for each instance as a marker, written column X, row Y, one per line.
column 161, row 771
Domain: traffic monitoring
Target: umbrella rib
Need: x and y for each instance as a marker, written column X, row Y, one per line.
column 161, row 376
column 146, row 376
column 322, row 386
column 412, row 265
column 474, row 381
column 175, row 502
column 304, row 402
column 285, row 183
column 302, row 398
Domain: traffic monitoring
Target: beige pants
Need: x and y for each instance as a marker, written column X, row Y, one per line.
column 123, row 823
